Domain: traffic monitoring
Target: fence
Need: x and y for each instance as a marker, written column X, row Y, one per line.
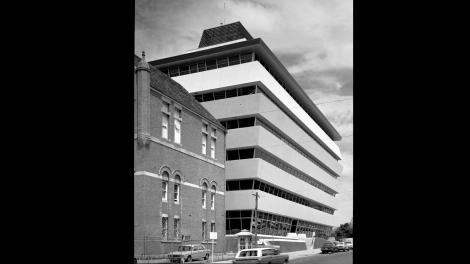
column 153, row 249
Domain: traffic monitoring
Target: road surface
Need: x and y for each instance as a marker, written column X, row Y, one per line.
column 335, row 258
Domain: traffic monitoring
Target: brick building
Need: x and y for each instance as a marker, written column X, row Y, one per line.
column 179, row 171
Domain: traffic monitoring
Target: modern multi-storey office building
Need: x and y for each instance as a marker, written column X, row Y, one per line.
column 278, row 141
column 179, row 180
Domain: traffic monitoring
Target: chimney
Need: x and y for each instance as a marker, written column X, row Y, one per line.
column 142, row 72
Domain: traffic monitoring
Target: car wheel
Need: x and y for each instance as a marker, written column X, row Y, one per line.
column 286, row 261
column 206, row 257
column 188, row 259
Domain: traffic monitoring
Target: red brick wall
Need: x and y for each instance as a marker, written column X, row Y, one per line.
column 148, row 205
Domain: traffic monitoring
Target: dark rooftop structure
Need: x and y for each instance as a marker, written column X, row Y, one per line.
column 167, row 86
column 224, row 33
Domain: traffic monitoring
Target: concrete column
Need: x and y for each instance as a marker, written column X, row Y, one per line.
column 143, row 101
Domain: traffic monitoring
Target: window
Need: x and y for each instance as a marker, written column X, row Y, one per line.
column 246, row 153
column 201, row 66
column 204, row 193
column 219, row 95
column 204, row 139
column 193, row 68
column 176, row 228
column 246, row 122
column 178, row 120
column 212, row 227
column 208, row 97
column 176, row 192
column 231, row 93
column 165, row 119
column 174, row 71
column 247, row 57
column 184, row 69
column 211, row 64
column 213, row 138
column 204, row 230
column 212, row 197
column 165, row 180
column 246, row 90
column 234, row 60
column 165, row 227
column 222, row 62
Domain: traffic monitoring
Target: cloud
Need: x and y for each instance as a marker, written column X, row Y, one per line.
column 338, row 81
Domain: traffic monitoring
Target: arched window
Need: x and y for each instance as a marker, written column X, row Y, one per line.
column 176, row 192
column 212, row 197
column 204, row 193
column 165, row 179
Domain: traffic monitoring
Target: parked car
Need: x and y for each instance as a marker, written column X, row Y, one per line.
column 349, row 245
column 340, row 245
column 186, row 253
column 260, row 255
column 328, row 247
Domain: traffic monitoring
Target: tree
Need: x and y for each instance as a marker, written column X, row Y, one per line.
column 343, row 231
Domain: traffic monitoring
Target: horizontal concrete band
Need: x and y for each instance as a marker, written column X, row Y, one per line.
column 151, row 174
column 184, row 151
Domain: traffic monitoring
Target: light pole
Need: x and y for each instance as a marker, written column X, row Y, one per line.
column 256, row 195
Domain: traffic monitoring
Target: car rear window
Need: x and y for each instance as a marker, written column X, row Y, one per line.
column 248, row 253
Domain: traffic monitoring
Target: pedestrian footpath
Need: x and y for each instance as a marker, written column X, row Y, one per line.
column 292, row 255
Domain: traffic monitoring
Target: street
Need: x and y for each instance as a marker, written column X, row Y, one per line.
column 336, row 258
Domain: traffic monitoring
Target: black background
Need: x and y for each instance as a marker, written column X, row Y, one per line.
column 67, row 132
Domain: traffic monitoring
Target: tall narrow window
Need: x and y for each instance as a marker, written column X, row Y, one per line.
column 165, row 119
column 212, row 197
column 165, row 179
column 176, row 228
column 204, row 194
column 204, row 227
column 212, row 227
column 204, row 139
column 178, row 120
column 176, row 192
column 213, row 139
column 165, row 227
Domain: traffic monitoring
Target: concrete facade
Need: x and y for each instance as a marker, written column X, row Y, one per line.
column 290, row 147
column 184, row 163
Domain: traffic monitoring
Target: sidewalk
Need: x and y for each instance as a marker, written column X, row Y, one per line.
column 229, row 256
column 292, row 255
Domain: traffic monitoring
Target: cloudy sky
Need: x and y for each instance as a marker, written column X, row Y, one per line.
column 312, row 38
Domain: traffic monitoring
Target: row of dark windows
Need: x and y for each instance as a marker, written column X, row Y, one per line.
column 252, row 121
column 251, row 184
column 250, row 153
column 271, row 224
column 225, row 61
column 209, row 64
column 228, row 93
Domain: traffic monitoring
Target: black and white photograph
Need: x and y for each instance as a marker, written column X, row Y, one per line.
column 243, row 131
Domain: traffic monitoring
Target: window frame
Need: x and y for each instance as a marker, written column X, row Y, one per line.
column 204, row 196
column 205, row 127
column 164, row 227
column 178, row 119
column 165, row 183
column 177, row 190
column 166, row 114
column 213, row 192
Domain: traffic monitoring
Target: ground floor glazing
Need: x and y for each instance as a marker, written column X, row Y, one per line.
column 271, row 224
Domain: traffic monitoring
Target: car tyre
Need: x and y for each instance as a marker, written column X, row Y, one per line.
column 188, row 259
column 206, row 257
